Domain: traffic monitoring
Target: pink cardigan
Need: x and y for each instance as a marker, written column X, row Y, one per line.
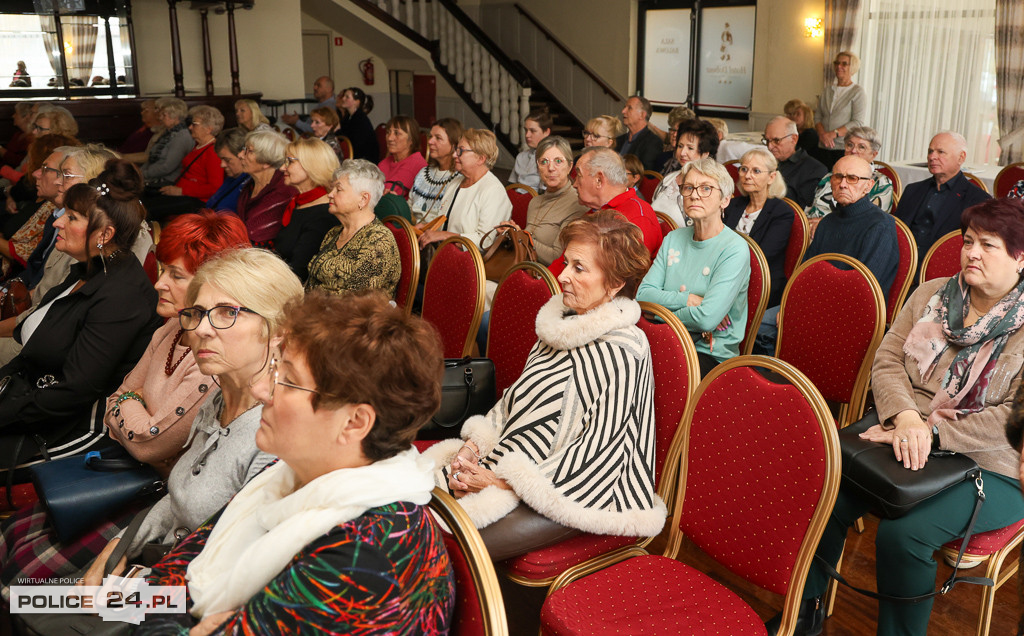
column 155, row 434
column 401, row 172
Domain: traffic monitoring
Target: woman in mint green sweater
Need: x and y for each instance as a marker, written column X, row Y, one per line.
column 701, row 272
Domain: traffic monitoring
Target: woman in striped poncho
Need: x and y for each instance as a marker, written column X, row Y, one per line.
column 570, row 447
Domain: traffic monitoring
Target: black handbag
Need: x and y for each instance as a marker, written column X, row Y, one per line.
column 468, row 389
column 79, row 491
column 871, row 471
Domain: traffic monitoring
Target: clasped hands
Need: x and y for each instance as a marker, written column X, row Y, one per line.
column 466, row 475
column 911, row 438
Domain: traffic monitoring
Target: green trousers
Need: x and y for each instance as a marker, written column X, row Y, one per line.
column 904, row 547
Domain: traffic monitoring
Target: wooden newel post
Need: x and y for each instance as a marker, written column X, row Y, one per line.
column 236, row 88
column 207, row 56
column 179, row 77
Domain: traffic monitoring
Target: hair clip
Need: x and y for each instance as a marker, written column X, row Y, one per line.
column 103, row 189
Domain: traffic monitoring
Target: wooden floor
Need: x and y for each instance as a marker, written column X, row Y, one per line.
column 955, row 614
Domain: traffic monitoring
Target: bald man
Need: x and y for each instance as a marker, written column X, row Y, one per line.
column 323, row 92
column 932, row 208
column 858, row 228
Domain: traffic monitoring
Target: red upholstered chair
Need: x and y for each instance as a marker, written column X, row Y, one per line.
column 479, row 610
column 151, row 267
column 943, row 258
column 799, row 238
column 453, row 295
column 346, row 147
column 830, row 324
column 512, row 332
column 666, row 223
column 991, row 548
column 734, row 170
column 520, row 195
column 409, row 252
column 904, row 271
column 676, row 374
column 382, row 139
column 649, row 182
column 758, row 291
column 897, row 185
column 735, row 503
column 976, row 181
column 1006, row 179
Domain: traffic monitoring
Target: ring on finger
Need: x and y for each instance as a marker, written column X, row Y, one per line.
column 904, row 441
column 456, row 475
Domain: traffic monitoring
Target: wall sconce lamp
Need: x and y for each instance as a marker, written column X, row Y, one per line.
column 813, row 28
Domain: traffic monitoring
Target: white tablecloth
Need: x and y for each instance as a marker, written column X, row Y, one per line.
column 913, row 172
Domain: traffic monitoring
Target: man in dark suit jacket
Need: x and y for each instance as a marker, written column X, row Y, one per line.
column 799, row 170
column 639, row 140
column 932, row 208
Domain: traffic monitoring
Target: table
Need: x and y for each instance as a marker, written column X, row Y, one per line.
column 913, row 172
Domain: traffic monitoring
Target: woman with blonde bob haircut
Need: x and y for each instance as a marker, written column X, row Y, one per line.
column 759, row 212
column 603, row 130
column 309, row 167
column 481, row 202
column 249, row 116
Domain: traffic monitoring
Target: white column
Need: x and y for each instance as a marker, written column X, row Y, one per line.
column 524, row 109
column 495, row 84
column 443, row 35
column 477, row 53
column 485, row 83
column 410, row 18
column 460, row 53
column 425, row 25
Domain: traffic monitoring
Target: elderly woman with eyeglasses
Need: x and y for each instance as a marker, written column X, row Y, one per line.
column 262, row 202
column 234, row 309
column 842, row 105
column 701, row 271
column 558, row 205
column 760, row 213
column 863, row 142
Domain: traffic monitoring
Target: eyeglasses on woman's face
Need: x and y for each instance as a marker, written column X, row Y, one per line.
column 274, row 373
column 558, row 161
column 461, row 151
column 220, row 317
column 701, row 191
column 593, row 135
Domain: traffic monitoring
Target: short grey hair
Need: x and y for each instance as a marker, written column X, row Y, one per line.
column 363, row 176
column 607, row 162
column 268, row 146
column 790, row 124
column 711, row 168
column 208, row 116
column 868, row 134
column 173, row 106
column 777, row 188
column 961, row 142
column 232, row 138
column 554, row 141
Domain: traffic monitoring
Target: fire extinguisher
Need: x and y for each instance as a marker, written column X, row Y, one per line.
column 366, row 68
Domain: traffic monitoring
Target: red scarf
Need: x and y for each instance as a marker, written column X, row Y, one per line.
column 301, row 199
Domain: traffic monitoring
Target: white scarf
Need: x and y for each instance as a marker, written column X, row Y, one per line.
column 268, row 522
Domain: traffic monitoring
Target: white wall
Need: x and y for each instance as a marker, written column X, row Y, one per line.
column 269, row 48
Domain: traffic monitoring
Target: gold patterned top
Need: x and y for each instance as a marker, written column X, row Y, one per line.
column 370, row 260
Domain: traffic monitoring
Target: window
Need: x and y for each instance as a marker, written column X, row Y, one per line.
column 929, row 65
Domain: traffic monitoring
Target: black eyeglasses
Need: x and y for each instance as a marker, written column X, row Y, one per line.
column 775, row 141
column 461, row 151
column 702, row 191
column 593, row 135
column 220, row 317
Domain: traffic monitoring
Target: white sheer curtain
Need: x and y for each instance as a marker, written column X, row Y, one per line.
column 929, row 65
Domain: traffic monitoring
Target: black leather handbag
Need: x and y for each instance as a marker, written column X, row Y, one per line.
column 81, row 491
column 870, row 469
column 468, row 389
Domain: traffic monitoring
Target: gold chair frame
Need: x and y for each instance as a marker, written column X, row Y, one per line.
column 414, row 273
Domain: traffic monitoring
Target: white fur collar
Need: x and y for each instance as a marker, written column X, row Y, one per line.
column 562, row 332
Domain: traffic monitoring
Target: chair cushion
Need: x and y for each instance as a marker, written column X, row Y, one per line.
column 449, row 297
column 986, row 543
column 648, row 595
column 551, row 561
column 512, row 331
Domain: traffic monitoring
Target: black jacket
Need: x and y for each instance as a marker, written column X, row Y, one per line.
column 960, row 195
column 88, row 341
column 646, row 146
column 771, row 233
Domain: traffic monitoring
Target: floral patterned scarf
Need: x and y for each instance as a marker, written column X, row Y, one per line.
column 967, row 380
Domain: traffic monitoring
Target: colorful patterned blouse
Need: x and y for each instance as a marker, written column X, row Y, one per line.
column 385, row 572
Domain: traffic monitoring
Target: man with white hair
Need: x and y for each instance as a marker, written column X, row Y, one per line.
column 932, row 208
column 601, row 184
column 799, row 170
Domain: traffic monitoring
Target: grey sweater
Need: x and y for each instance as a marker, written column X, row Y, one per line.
column 215, row 467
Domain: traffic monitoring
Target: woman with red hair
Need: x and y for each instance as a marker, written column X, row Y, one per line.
column 151, row 413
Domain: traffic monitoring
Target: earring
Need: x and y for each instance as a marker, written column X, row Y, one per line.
column 99, row 246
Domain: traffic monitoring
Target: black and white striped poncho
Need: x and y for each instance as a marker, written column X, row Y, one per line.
column 574, row 435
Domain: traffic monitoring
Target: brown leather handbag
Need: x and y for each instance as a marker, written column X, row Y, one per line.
column 14, row 298
column 509, row 247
